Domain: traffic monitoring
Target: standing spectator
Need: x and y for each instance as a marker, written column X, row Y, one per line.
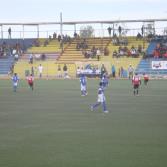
column 142, row 30
column 121, row 72
column 78, row 72
column 31, row 59
column 32, row 71
column 40, row 70
column 9, row 33
column 59, row 75
column 15, row 80
column 113, row 71
column 130, row 71
column 120, row 30
column 109, row 31
column 65, row 69
column 98, row 53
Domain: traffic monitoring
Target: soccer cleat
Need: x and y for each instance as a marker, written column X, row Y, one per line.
column 91, row 108
column 106, row 111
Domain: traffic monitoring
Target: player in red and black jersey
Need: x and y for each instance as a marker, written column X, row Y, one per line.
column 136, row 81
column 146, row 78
column 30, row 80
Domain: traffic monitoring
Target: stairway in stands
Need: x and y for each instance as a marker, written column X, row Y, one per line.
column 71, row 54
column 145, row 66
column 5, row 65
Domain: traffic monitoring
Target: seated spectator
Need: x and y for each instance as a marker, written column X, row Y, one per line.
column 156, row 53
column 106, row 51
column 16, row 57
column 115, row 54
column 37, row 43
column 165, row 55
column 45, row 43
column 115, row 41
column 43, row 56
column 139, row 36
column 54, row 35
column 50, row 37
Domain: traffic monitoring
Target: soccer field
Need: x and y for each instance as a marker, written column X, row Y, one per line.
column 53, row 126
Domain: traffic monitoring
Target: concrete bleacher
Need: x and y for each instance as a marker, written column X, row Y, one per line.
column 24, row 43
column 53, row 46
column 5, row 65
column 145, row 66
column 150, row 49
column 124, row 61
column 71, row 54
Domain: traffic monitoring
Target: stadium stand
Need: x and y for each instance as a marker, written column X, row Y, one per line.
column 45, row 46
column 145, row 66
column 84, row 52
column 124, row 61
column 150, row 49
column 6, row 65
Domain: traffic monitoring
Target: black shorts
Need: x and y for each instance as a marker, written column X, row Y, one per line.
column 30, row 84
column 136, row 86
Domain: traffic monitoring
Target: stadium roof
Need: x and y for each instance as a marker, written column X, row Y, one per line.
column 84, row 22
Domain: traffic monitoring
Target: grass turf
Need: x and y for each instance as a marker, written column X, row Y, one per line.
column 54, row 127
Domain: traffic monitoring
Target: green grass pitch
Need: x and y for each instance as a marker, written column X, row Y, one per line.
column 54, row 127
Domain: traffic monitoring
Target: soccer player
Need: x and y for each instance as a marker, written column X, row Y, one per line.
column 15, row 80
column 101, row 100
column 146, row 78
column 104, row 81
column 136, row 81
column 30, row 80
column 83, row 83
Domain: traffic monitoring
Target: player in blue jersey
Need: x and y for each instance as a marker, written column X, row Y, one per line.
column 101, row 100
column 15, row 80
column 104, row 81
column 83, row 83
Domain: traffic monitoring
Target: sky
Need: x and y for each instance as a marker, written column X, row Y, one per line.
column 75, row 10
column 80, row 10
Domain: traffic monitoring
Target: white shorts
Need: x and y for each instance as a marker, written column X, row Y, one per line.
column 15, row 84
column 101, row 98
column 83, row 87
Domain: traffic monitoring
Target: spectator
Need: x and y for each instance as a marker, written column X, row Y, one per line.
column 43, row 56
column 142, row 30
column 40, row 70
column 65, row 69
column 9, row 32
column 31, row 58
column 54, row 35
column 109, row 31
column 113, row 71
column 130, row 71
column 59, row 75
column 78, row 72
column 115, row 54
column 120, row 30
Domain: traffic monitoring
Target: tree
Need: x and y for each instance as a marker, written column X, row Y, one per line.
column 86, row 32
